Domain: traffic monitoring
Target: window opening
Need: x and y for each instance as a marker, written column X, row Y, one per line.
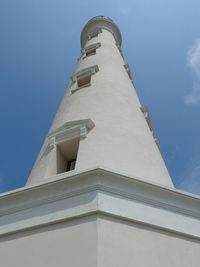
column 145, row 112
column 90, row 52
column 83, row 81
column 127, row 68
column 63, row 146
column 83, row 78
column 71, row 165
column 66, row 155
column 94, row 34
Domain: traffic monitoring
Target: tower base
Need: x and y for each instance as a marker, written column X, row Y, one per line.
column 99, row 218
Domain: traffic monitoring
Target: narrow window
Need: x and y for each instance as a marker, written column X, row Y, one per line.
column 84, row 81
column 82, row 78
column 66, row 155
column 145, row 112
column 90, row 52
column 63, row 146
column 71, row 165
column 94, row 34
column 127, row 68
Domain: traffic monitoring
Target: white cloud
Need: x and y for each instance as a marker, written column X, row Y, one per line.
column 194, row 57
column 193, row 98
column 190, row 180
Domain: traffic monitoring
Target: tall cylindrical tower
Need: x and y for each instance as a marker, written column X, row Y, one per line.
column 100, row 122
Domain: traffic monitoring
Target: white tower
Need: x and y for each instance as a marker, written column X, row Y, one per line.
column 99, row 194
column 100, row 122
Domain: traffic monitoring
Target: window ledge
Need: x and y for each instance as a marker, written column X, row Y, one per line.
column 84, row 72
column 79, row 88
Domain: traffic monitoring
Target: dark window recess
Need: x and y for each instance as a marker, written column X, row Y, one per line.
column 94, row 34
column 71, row 165
column 85, row 81
column 66, row 155
column 90, row 52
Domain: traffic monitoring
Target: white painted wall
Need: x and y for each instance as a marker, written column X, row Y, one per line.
column 98, row 240
column 127, row 244
column 72, row 244
column 121, row 139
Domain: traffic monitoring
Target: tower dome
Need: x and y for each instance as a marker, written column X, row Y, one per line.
column 99, row 23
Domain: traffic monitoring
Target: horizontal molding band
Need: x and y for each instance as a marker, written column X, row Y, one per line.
column 99, row 190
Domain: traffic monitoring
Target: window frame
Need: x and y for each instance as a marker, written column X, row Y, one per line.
column 73, row 131
column 87, row 49
column 94, row 34
column 81, row 75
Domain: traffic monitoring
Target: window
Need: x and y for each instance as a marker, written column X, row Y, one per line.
column 66, row 155
column 145, row 112
column 127, row 68
column 157, row 143
column 63, row 146
column 84, row 81
column 94, row 33
column 82, row 78
column 71, row 165
column 90, row 50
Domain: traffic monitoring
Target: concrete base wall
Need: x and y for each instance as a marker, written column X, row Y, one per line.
column 98, row 240
column 128, row 244
column 67, row 244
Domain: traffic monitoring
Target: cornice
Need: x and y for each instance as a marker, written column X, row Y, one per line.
column 99, row 23
column 99, row 190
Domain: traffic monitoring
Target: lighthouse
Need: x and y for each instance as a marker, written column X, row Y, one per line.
column 100, row 122
column 99, row 193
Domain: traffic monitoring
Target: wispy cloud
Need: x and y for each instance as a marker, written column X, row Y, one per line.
column 190, row 180
column 194, row 57
column 193, row 98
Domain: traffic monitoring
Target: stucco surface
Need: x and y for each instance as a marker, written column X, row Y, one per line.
column 72, row 244
column 121, row 139
column 98, row 240
column 128, row 244
column 97, row 217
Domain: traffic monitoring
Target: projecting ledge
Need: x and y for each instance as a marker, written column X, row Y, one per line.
column 75, row 194
column 99, row 23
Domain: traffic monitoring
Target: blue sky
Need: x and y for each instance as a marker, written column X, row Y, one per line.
column 39, row 48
